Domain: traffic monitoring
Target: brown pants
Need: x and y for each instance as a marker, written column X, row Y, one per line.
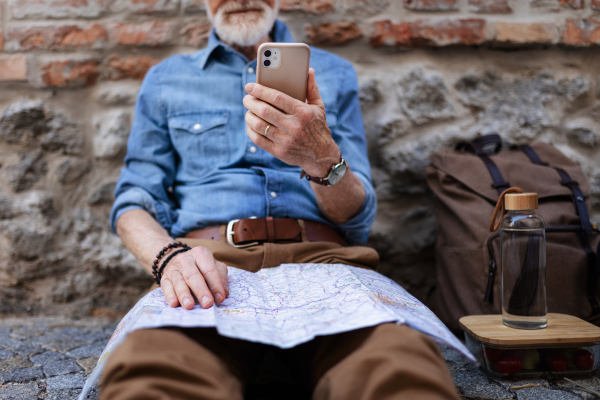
column 384, row 362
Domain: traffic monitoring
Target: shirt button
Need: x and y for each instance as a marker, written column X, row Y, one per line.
column 273, row 194
column 250, row 70
column 197, row 127
column 252, row 149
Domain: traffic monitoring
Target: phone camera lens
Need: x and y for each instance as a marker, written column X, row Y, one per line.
column 267, row 63
column 268, row 53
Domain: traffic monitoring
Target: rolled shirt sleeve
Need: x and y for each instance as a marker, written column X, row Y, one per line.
column 150, row 167
column 350, row 136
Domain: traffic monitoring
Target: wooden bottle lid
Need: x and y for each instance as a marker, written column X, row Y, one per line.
column 521, row 201
column 562, row 329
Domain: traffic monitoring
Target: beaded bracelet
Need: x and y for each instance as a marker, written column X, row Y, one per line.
column 165, row 249
column 158, row 275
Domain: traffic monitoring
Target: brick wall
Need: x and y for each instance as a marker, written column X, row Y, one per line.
column 432, row 72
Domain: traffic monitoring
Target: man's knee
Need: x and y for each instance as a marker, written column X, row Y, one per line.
column 393, row 360
column 165, row 363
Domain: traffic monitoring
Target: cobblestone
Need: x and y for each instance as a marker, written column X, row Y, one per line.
column 61, row 368
column 21, row 375
column 19, row 392
column 68, row 349
column 47, row 357
column 88, row 351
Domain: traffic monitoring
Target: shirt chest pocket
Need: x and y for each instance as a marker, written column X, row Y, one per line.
column 201, row 140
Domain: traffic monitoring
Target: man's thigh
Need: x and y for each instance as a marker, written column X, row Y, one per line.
column 387, row 361
column 179, row 364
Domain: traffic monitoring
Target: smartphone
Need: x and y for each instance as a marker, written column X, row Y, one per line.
column 284, row 67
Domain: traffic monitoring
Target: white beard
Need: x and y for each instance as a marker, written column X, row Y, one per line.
column 244, row 29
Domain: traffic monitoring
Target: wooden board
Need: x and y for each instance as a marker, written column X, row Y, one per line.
column 565, row 329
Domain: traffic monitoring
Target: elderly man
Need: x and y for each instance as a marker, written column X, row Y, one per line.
column 201, row 154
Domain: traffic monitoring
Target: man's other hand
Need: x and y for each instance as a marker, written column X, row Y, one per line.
column 197, row 270
column 298, row 134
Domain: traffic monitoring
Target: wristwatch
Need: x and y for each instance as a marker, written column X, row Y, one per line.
column 336, row 173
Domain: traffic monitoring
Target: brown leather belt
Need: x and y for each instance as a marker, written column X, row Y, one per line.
column 251, row 231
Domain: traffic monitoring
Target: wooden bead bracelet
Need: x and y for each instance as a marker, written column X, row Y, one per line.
column 156, row 271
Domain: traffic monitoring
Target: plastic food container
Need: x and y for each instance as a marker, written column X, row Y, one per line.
column 567, row 346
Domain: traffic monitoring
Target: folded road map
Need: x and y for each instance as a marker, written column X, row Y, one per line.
column 288, row 305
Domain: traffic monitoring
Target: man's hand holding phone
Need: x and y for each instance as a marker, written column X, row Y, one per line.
column 297, row 131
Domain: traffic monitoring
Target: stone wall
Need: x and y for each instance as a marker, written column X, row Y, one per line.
column 432, row 73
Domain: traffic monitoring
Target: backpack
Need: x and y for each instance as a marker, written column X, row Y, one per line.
column 468, row 182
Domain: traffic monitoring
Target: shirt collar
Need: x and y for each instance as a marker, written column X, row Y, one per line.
column 280, row 33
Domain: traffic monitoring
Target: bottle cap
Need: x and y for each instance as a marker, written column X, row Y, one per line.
column 521, row 201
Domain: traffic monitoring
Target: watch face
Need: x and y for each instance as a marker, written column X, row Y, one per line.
column 337, row 174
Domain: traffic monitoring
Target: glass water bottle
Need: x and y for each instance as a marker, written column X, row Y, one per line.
column 523, row 260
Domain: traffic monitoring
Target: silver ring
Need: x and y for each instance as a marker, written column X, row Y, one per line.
column 266, row 130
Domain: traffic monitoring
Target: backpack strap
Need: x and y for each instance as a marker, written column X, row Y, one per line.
column 593, row 270
column 571, row 184
column 477, row 147
column 586, row 226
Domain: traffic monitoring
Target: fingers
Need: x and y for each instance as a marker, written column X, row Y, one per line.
column 169, row 292
column 208, row 266
column 265, row 111
column 278, row 99
column 182, row 290
column 223, row 271
column 196, row 281
column 262, row 142
column 313, row 96
column 260, row 126
column 199, row 271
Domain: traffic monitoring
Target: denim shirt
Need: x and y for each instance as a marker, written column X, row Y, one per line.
column 190, row 164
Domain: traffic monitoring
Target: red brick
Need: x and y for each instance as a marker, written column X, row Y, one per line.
column 192, row 6
column 490, row 6
column 60, row 8
column 145, row 6
column 196, row 34
column 544, row 5
column 431, row 5
column 312, row 6
column 134, row 67
column 70, row 73
column 151, row 33
column 333, row 34
column 523, row 33
column 56, row 37
column 596, row 4
column 582, row 32
column 13, row 68
column 575, row 4
column 429, row 33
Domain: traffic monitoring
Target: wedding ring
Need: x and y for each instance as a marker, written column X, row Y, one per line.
column 266, row 130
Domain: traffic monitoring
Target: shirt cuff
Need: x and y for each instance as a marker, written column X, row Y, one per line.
column 356, row 229
column 132, row 199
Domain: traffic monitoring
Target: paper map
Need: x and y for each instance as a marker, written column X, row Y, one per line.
column 291, row 304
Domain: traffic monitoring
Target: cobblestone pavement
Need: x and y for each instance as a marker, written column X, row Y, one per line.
column 50, row 358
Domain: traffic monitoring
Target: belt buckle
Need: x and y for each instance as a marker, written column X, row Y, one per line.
column 229, row 235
